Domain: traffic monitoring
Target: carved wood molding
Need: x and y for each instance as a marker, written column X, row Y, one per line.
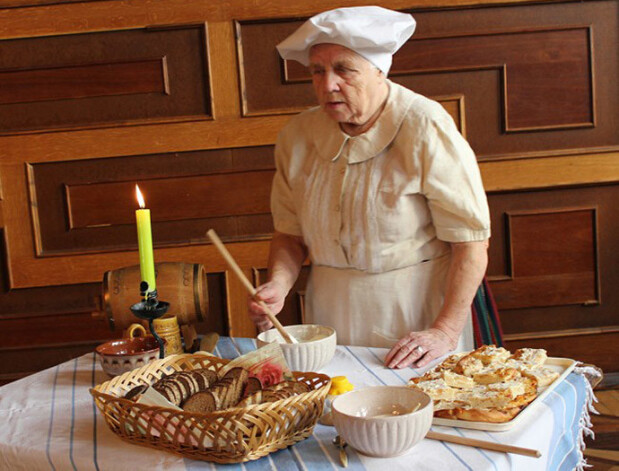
column 99, row 81
column 52, row 17
column 551, row 258
column 562, row 333
column 552, row 170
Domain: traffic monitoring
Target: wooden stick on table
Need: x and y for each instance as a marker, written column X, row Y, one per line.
column 483, row 444
column 239, row 273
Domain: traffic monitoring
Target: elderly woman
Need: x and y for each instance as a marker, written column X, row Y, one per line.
column 378, row 187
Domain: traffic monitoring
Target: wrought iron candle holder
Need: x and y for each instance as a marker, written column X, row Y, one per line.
column 150, row 309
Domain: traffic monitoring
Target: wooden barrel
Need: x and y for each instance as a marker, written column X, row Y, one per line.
column 183, row 285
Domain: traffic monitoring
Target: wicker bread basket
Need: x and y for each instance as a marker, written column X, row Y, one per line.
column 230, row 436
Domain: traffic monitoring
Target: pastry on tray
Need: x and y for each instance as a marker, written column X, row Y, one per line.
column 486, row 385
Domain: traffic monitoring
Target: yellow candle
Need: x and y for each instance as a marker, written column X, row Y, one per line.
column 145, row 243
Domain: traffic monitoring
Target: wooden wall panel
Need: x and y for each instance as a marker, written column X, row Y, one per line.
column 567, row 259
column 551, row 258
column 115, row 77
column 88, row 205
column 196, row 197
column 85, row 81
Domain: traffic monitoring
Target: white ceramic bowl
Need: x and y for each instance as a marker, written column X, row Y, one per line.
column 315, row 349
column 377, row 421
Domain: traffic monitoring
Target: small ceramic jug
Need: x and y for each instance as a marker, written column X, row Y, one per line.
column 167, row 328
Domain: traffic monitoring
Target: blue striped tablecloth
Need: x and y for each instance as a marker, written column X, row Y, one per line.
column 49, row 421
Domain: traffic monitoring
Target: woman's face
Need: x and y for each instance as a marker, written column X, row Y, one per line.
column 349, row 88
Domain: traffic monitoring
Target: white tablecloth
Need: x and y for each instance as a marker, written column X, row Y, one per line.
column 49, row 421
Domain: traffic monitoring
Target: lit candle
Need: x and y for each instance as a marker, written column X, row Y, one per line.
column 145, row 243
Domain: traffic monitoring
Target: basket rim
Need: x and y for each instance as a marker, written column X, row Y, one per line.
column 97, row 393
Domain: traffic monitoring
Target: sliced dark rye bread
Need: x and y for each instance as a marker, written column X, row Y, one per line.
column 297, row 387
column 263, row 396
column 190, row 382
column 135, row 392
column 202, row 402
column 239, row 376
column 177, row 387
column 223, row 394
column 204, row 377
column 253, row 385
column 210, row 400
column 170, row 390
column 222, row 390
column 275, row 392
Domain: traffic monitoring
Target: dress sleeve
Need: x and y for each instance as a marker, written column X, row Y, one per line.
column 452, row 184
column 283, row 209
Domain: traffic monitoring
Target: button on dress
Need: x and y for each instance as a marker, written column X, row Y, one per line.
column 377, row 212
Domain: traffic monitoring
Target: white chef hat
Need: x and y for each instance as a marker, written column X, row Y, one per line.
column 372, row 32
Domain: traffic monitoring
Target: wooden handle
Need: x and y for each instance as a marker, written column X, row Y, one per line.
column 239, row 273
column 483, row 444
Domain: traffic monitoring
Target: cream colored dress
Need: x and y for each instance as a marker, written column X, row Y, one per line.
column 377, row 212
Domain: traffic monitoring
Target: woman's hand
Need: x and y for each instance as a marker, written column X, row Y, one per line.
column 273, row 294
column 418, row 349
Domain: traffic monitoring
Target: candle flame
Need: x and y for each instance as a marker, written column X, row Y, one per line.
column 139, row 196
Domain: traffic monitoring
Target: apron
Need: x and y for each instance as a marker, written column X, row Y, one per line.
column 378, row 309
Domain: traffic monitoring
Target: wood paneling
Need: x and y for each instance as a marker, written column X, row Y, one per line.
column 176, row 199
column 551, row 259
column 116, row 77
column 491, row 56
column 85, row 81
column 521, row 57
column 88, row 205
column 563, row 256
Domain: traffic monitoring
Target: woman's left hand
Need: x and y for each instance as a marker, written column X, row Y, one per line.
column 418, row 349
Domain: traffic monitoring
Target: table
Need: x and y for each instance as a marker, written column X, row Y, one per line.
column 49, row 421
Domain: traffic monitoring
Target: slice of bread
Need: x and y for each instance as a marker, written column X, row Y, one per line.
column 136, row 392
column 205, row 378
column 239, row 378
column 222, row 394
column 202, row 402
column 252, row 385
column 278, row 391
column 169, row 389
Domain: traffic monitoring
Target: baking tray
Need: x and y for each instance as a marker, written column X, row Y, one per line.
column 563, row 366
